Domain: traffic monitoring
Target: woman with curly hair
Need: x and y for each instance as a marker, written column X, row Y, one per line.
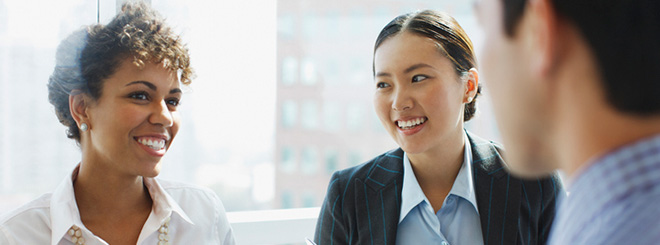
column 117, row 89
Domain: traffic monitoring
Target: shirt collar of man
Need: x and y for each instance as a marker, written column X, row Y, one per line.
column 412, row 194
column 64, row 211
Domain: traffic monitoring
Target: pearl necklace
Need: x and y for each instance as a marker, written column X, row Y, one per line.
column 163, row 237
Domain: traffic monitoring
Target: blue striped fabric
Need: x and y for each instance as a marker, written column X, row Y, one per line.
column 616, row 200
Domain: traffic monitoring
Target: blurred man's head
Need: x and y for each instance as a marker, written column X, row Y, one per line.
column 546, row 59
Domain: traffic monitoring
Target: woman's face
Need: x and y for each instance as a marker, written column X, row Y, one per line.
column 419, row 97
column 135, row 120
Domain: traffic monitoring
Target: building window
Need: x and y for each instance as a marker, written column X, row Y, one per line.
column 309, row 115
column 331, row 161
column 309, row 74
column 289, row 70
column 309, row 200
column 288, row 161
column 331, row 116
column 286, row 27
column 309, row 163
column 287, row 199
column 310, row 26
column 289, row 114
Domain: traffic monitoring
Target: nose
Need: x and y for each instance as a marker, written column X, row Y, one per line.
column 402, row 100
column 161, row 115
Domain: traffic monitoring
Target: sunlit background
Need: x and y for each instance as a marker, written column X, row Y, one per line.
column 282, row 98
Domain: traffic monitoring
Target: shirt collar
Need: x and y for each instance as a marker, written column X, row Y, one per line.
column 412, row 194
column 64, row 211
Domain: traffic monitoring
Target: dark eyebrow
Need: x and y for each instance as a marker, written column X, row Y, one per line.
column 415, row 67
column 148, row 84
column 176, row 91
column 407, row 70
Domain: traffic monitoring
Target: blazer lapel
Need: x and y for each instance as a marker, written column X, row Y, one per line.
column 498, row 195
column 382, row 195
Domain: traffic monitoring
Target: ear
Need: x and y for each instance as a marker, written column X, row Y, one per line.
column 78, row 104
column 471, row 85
column 545, row 40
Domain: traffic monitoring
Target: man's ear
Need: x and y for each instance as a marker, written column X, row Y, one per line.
column 472, row 85
column 545, row 39
column 78, row 104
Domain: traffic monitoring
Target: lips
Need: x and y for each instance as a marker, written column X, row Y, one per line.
column 155, row 145
column 410, row 124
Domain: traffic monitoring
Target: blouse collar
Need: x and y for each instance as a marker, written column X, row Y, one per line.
column 64, row 211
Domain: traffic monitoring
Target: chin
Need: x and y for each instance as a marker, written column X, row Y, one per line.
column 411, row 148
column 151, row 172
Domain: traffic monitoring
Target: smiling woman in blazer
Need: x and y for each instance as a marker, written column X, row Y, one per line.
column 444, row 185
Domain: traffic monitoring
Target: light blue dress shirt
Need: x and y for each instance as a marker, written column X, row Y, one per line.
column 615, row 200
column 457, row 222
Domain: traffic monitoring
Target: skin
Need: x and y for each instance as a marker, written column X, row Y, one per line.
column 547, row 94
column 414, row 80
column 135, row 103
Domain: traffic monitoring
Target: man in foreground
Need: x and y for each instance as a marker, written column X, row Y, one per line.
column 576, row 87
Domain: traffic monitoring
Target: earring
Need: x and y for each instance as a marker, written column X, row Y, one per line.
column 84, row 127
column 469, row 99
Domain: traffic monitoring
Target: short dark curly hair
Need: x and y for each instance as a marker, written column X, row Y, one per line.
column 450, row 37
column 90, row 55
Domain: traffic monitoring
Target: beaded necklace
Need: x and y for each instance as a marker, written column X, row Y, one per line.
column 163, row 237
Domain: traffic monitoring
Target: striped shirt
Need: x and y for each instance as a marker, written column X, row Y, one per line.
column 616, row 200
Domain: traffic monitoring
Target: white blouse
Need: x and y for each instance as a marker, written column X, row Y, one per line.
column 196, row 216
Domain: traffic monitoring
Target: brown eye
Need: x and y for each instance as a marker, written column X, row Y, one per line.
column 173, row 102
column 382, row 85
column 139, row 95
column 419, row 78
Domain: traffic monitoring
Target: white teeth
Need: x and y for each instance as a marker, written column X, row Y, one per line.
column 156, row 144
column 411, row 123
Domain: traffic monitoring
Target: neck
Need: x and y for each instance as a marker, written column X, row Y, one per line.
column 101, row 193
column 439, row 166
column 584, row 140
column 587, row 126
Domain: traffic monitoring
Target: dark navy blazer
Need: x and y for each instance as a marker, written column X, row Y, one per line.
column 363, row 203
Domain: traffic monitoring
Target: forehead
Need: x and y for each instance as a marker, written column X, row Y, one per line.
column 407, row 48
column 156, row 73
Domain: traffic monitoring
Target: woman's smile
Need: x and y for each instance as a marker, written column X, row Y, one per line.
column 411, row 126
column 154, row 145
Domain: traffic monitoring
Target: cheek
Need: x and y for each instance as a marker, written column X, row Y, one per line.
column 443, row 100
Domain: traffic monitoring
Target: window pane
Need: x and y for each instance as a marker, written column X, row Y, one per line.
column 289, row 70
column 309, row 115
column 309, row 160
column 289, row 114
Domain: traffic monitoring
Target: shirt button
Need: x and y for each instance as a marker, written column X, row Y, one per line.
column 445, row 243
